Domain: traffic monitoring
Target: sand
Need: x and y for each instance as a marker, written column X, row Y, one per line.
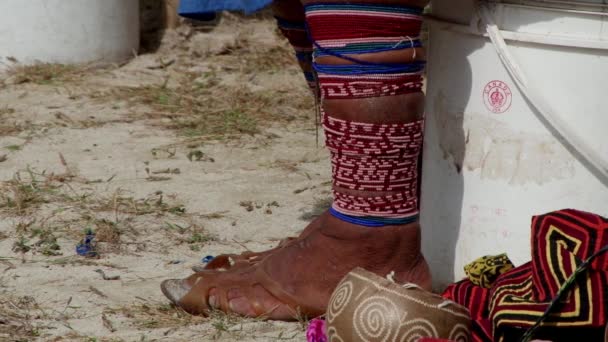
column 76, row 153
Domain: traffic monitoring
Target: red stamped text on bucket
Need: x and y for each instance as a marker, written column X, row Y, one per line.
column 497, row 96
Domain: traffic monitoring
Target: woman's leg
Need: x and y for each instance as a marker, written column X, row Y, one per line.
column 369, row 71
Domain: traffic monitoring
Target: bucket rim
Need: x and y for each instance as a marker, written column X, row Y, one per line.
column 524, row 37
column 557, row 4
column 578, row 7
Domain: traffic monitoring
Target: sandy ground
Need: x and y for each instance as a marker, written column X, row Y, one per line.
column 118, row 150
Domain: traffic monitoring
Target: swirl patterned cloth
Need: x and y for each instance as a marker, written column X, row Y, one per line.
column 367, row 308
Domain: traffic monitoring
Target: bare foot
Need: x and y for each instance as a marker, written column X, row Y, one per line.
column 299, row 278
column 227, row 261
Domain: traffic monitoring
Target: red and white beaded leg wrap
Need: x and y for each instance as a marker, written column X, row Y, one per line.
column 376, row 158
column 369, row 158
column 345, row 86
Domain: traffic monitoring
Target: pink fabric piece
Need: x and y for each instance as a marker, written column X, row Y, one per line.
column 316, row 331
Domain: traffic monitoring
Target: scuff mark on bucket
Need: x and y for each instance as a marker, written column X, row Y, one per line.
column 451, row 134
column 499, row 151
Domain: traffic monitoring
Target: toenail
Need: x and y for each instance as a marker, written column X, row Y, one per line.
column 391, row 276
column 213, row 302
column 232, row 307
column 174, row 289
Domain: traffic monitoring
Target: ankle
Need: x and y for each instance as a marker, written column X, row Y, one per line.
column 397, row 234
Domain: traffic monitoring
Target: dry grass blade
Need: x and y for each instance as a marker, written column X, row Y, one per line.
column 47, row 73
column 16, row 318
column 26, row 191
column 7, row 127
column 155, row 316
column 120, row 203
column 207, row 106
column 196, row 112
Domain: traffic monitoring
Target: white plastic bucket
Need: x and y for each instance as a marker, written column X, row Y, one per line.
column 68, row 31
column 492, row 159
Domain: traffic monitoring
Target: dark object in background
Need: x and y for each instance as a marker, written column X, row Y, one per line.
column 156, row 16
column 151, row 15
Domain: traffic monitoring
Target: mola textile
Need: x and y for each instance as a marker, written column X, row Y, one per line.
column 565, row 286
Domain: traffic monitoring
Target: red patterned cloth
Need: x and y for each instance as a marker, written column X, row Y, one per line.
column 349, row 29
column 561, row 241
column 476, row 299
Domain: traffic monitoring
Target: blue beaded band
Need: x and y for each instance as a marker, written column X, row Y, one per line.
column 372, row 222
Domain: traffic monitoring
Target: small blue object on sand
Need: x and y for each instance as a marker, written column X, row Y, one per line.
column 205, row 9
column 87, row 247
column 207, row 259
